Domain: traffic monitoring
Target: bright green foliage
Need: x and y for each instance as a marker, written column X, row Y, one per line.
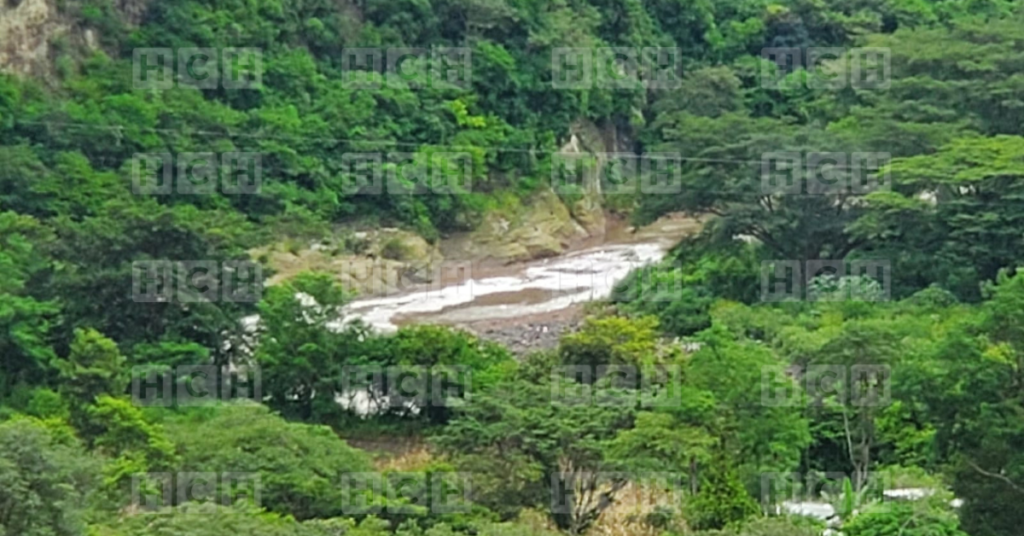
column 488, row 529
column 71, row 229
column 299, row 354
column 95, row 280
column 431, row 346
column 659, row 442
column 528, row 448
column 721, row 500
column 770, row 526
column 306, row 360
column 94, row 367
column 924, row 518
column 952, row 395
column 24, row 320
column 46, row 404
column 300, row 466
column 950, row 120
column 133, row 445
column 210, row 520
column 871, row 346
column 453, row 361
column 611, row 340
column 219, row 520
column 975, row 182
column 729, row 379
column 977, row 403
column 681, row 290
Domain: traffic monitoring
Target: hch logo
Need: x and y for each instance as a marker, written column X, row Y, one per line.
column 439, row 492
column 161, row 281
column 863, row 385
column 826, row 280
column 236, row 173
column 616, row 68
column 153, row 491
column 835, row 173
column 365, row 68
column 827, row 68
column 409, row 386
column 406, row 173
column 777, row 489
column 616, row 173
column 194, row 385
column 200, row 68
column 638, row 488
column 616, row 386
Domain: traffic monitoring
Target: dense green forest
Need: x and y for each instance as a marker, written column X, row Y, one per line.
column 698, row 432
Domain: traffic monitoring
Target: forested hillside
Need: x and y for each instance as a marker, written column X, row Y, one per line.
column 698, row 399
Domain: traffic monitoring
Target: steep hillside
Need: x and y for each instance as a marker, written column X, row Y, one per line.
column 850, row 307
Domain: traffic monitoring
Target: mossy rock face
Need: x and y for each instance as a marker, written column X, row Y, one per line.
column 404, row 246
column 544, row 227
column 388, row 260
column 591, row 137
column 370, row 277
column 587, row 137
column 589, row 213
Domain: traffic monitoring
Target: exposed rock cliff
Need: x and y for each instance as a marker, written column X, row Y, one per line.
column 28, row 31
column 546, row 225
column 34, row 33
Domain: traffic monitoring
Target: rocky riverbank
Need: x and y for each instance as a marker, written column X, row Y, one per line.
column 382, row 261
column 525, row 297
column 531, row 333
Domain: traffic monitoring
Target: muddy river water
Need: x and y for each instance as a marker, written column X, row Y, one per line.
column 529, row 290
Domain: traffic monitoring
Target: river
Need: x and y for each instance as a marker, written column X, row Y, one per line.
column 532, row 290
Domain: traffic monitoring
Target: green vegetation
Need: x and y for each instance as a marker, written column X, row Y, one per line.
column 549, row 450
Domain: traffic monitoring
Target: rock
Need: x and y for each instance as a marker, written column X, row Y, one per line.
column 31, row 29
column 526, row 338
column 27, row 29
column 543, row 227
column 590, row 215
column 403, row 246
column 393, row 260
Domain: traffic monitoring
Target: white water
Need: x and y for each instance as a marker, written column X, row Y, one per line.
column 559, row 282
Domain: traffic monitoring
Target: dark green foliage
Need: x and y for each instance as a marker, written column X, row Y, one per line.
column 72, row 444
column 44, row 482
column 301, row 467
column 721, row 500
